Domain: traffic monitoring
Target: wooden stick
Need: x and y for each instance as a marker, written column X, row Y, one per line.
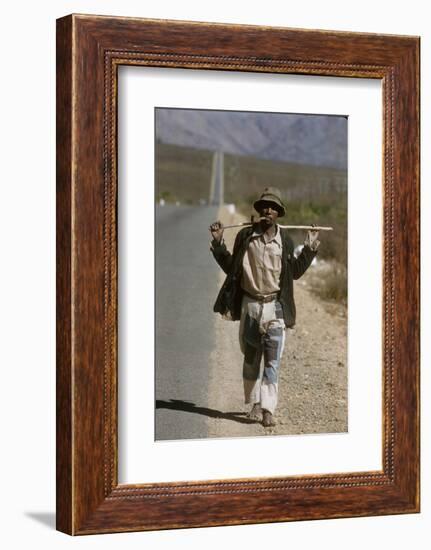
column 237, row 225
column 306, row 227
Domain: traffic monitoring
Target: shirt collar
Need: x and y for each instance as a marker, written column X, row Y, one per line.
column 277, row 237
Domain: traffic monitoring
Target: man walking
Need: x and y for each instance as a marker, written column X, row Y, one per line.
column 258, row 291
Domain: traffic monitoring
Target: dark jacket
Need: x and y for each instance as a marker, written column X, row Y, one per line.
column 230, row 296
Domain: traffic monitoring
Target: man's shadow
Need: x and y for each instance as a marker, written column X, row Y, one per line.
column 187, row 406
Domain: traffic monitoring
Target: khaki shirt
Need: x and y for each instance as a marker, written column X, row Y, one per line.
column 262, row 264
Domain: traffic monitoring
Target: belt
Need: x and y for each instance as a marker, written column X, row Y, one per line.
column 262, row 299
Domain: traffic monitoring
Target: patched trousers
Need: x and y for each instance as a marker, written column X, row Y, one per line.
column 262, row 335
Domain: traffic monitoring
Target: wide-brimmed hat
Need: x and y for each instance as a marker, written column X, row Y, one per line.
column 273, row 195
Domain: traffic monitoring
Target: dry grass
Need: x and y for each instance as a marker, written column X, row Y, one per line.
column 329, row 281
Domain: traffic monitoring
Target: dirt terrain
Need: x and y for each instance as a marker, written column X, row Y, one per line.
column 313, row 374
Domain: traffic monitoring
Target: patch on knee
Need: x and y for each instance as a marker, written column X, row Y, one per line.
column 273, row 342
column 250, row 371
column 250, row 354
column 271, row 352
column 272, row 349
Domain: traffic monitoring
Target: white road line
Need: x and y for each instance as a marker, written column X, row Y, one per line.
column 221, row 176
column 212, row 181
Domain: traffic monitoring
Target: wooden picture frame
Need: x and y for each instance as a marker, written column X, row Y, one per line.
column 89, row 51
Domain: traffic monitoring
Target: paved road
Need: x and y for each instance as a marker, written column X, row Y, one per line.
column 186, row 287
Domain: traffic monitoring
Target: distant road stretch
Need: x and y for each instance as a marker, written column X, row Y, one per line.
column 217, row 180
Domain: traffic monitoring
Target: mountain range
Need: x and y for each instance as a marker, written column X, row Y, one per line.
column 318, row 140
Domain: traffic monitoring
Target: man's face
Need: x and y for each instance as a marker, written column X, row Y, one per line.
column 269, row 211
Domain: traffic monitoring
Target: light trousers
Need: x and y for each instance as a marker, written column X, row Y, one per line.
column 262, row 335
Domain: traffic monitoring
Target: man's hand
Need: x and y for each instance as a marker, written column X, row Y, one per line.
column 216, row 230
column 311, row 240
